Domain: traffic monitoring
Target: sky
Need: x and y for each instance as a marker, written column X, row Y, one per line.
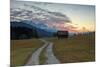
column 82, row 16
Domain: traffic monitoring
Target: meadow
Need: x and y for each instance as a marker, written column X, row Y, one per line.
column 79, row 48
column 21, row 50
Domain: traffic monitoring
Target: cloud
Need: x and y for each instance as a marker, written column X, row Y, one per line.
column 71, row 27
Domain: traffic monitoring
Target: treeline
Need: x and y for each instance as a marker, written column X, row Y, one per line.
column 21, row 30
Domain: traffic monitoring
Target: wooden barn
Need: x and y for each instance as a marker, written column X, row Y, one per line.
column 62, row 34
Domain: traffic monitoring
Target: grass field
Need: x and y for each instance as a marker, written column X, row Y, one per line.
column 21, row 50
column 79, row 48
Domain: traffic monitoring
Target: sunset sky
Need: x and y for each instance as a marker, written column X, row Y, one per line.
column 82, row 16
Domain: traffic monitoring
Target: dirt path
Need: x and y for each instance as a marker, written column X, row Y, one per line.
column 51, row 59
column 34, row 60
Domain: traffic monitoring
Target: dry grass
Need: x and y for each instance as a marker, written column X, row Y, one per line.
column 43, row 57
column 80, row 48
column 21, row 50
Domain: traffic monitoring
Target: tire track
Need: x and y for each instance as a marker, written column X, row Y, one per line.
column 34, row 60
column 51, row 59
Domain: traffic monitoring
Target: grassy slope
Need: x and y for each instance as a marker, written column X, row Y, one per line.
column 79, row 48
column 21, row 50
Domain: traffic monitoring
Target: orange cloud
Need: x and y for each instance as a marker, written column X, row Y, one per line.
column 72, row 27
column 67, row 27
